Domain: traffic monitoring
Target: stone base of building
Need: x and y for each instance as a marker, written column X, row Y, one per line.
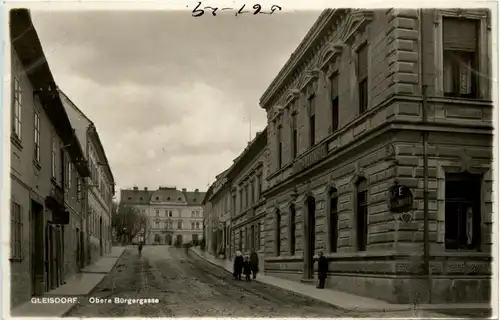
column 402, row 289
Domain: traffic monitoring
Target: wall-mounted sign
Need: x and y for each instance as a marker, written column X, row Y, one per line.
column 311, row 158
column 401, row 198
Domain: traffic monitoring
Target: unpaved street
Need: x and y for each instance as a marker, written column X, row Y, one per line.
column 188, row 286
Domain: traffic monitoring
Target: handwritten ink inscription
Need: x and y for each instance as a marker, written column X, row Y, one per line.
column 257, row 9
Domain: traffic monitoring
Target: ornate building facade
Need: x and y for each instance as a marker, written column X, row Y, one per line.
column 174, row 216
column 380, row 150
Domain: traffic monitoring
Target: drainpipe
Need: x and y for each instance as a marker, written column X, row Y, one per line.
column 425, row 142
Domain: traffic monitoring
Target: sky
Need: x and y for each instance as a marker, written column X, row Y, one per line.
column 171, row 95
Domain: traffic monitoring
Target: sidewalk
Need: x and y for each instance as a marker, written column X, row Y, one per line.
column 344, row 300
column 79, row 285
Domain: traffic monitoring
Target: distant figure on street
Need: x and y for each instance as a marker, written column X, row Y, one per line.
column 238, row 265
column 322, row 270
column 139, row 247
column 254, row 263
column 247, row 268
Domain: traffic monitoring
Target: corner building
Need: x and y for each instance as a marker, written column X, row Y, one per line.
column 376, row 101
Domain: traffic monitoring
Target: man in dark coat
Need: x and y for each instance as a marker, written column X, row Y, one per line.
column 322, row 270
column 238, row 265
column 254, row 263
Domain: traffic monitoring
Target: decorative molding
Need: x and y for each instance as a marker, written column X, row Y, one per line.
column 319, row 32
column 358, row 173
column 292, row 95
column 329, row 53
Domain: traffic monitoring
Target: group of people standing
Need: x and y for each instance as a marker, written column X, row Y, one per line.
column 247, row 265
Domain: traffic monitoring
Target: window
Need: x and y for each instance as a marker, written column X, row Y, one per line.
column 292, row 230
column 252, row 192
column 460, row 58
column 17, row 106
column 294, row 136
column 197, row 225
column 157, row 213
column 334, row 83
column 157, row 198
column 234, row 204
column 78, row 189
column 363, row 78
column 140, row 198
column 240, row 246
column 157, row 238
column 241, row 201
column 278, row 233
column 192, row 225
column 179, row 224
column 129, row 198
column 70, row 169
column 16, row 231
column 362, row 214
column 247, row 202
column 170, row 213
column 36, row 150
column 312, row 119
column 53, row 158
column 462, row 211
column 280, row 147
column 157, row 224
column 259, row 187
column 333, row 227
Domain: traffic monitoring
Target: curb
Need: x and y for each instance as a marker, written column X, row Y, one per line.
column 65, row 314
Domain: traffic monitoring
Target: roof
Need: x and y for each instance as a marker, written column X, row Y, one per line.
column 194, row 197
column 26, row 43
column 95, row 135
column 258, row 143
column 207, row 196
column 166, row 194
column 135, row 196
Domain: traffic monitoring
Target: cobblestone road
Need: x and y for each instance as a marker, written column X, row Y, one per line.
column 187, row 286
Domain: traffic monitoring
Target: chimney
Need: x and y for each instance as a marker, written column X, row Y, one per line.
column 196, row 190
column 136, row 188
column 183, row 189
column 145, row 188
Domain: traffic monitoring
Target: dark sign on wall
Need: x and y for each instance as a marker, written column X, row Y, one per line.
column 401, row 198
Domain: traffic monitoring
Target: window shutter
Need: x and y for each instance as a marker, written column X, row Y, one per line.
column 460, row 34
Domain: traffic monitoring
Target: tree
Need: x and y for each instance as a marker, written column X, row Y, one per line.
column 128, row 222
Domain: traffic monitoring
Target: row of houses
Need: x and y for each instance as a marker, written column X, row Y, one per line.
column 61, row 183
column 377, row 152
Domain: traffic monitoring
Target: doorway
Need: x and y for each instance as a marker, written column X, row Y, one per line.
column 310, row 237
column 37, row 249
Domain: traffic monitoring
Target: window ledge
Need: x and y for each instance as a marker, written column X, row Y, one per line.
column 16, row 259
column 16, row 141
column 37, row 164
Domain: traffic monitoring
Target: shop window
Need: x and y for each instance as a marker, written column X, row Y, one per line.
column 462, row 211
column 362, row 214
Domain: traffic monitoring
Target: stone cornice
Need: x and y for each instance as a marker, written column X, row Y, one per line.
column 327, row 36
column 299, row 54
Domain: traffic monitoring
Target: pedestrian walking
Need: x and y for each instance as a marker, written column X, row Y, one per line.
column 247, row 268
column 322, row 270
column 238, row 265
column 254, row 263
column 139, row 248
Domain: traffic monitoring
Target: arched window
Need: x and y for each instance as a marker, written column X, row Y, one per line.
column 278, row 232
column 292, row 230
column 362, row 213
column 334, row 218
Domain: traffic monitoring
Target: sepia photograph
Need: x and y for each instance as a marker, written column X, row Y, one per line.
column 168, row 162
